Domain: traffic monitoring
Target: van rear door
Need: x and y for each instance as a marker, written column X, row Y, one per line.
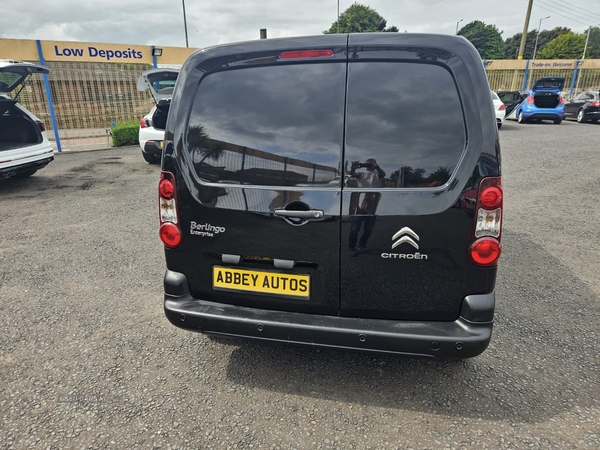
column 407, row 158
column 263, row 152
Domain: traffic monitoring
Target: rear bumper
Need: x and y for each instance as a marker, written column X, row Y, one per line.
column 152, row 148
column 546, row 116
column 11, row 171
column 466, row 337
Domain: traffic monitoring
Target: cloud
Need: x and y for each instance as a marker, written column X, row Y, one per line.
column 160, row 22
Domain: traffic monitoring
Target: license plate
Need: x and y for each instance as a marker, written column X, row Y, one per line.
column 262, row 282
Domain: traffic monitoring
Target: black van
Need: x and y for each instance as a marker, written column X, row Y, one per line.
column 309, row 188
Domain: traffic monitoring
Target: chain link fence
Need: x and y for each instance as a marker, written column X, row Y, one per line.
column 88, row 99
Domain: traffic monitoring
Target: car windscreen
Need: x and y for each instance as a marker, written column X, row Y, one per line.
column 408, row 117
column 269, row 125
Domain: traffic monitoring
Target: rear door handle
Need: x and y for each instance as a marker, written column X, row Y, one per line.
column 310, row 214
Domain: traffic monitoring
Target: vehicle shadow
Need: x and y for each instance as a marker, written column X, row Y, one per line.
column 542, row 360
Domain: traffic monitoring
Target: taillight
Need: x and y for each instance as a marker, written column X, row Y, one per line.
column 41, row 125
column 530, row 100
column 305, row 54
column 561, row 101
column 170, row 233
column 144, row 123
column 502, row 107
column 485, row 246
column 485, row 251
column 595, row 105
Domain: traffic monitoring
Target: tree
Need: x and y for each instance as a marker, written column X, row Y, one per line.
column 485, row 38
column 565, row 46
column 512, row 44
column 593, row 49
column 360, row 19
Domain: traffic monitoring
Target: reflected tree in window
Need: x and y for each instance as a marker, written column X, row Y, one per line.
column 200, row 143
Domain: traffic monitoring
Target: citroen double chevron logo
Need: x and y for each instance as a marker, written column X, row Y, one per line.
column 405, row 235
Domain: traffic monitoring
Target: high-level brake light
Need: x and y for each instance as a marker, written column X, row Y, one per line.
column 305, row 54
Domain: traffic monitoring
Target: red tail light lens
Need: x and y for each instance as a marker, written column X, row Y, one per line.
column 491, row 197
column 485, row 251
column 530, row 100
column 502, row 107
column 170, row 232
column 143, row 123
column 170, row 235
column 166, row 189
column 485, row 246
column 305, row 54
column 561, row 101
column 595, row 104
column 41, row 125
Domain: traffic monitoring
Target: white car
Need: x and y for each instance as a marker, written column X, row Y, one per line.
column 499, row 108
column 24, row 146
column 160, row 82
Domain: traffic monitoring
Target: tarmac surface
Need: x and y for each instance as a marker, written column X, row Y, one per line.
column 88, row 360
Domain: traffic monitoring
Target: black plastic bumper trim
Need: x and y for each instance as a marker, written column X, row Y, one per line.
column 459, row 339
column 152, row 148
column 37, row 165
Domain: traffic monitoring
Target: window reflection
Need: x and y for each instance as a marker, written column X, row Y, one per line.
column 271, row 126
column 416, row 136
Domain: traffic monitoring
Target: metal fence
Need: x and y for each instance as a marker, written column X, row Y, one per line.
column 88, row 98
column 580, row 75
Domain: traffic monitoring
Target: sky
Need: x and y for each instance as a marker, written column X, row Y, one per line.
column 212, row 22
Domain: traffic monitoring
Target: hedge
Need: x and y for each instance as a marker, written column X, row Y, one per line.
column 125, row 133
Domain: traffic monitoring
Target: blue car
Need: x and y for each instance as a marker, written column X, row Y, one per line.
column 543, row 102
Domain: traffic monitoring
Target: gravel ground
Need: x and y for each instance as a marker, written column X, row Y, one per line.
column 88, row 360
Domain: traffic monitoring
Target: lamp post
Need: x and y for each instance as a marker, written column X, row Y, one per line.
column 457, row 25
column 586, row 42
column 583, row 57
column 185, row 24
column 538, row 35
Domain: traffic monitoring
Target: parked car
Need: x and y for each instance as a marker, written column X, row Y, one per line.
column 584, row 107
column 511, row 99
column 305, row 200
column 24, row 146
column 499, row 108
column 160, row 82
column 543, row 102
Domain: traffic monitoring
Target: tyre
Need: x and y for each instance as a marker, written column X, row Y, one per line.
column 581, row 116
column 152, row 159
column 557, row 121
column 521, row 117
column 499, row 125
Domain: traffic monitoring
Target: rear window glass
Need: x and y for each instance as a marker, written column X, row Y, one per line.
column 9, row 80
column 408, row 118
column 272, row 126
column 163, row 82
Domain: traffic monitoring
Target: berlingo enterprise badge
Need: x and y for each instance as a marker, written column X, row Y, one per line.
column 205, row 229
